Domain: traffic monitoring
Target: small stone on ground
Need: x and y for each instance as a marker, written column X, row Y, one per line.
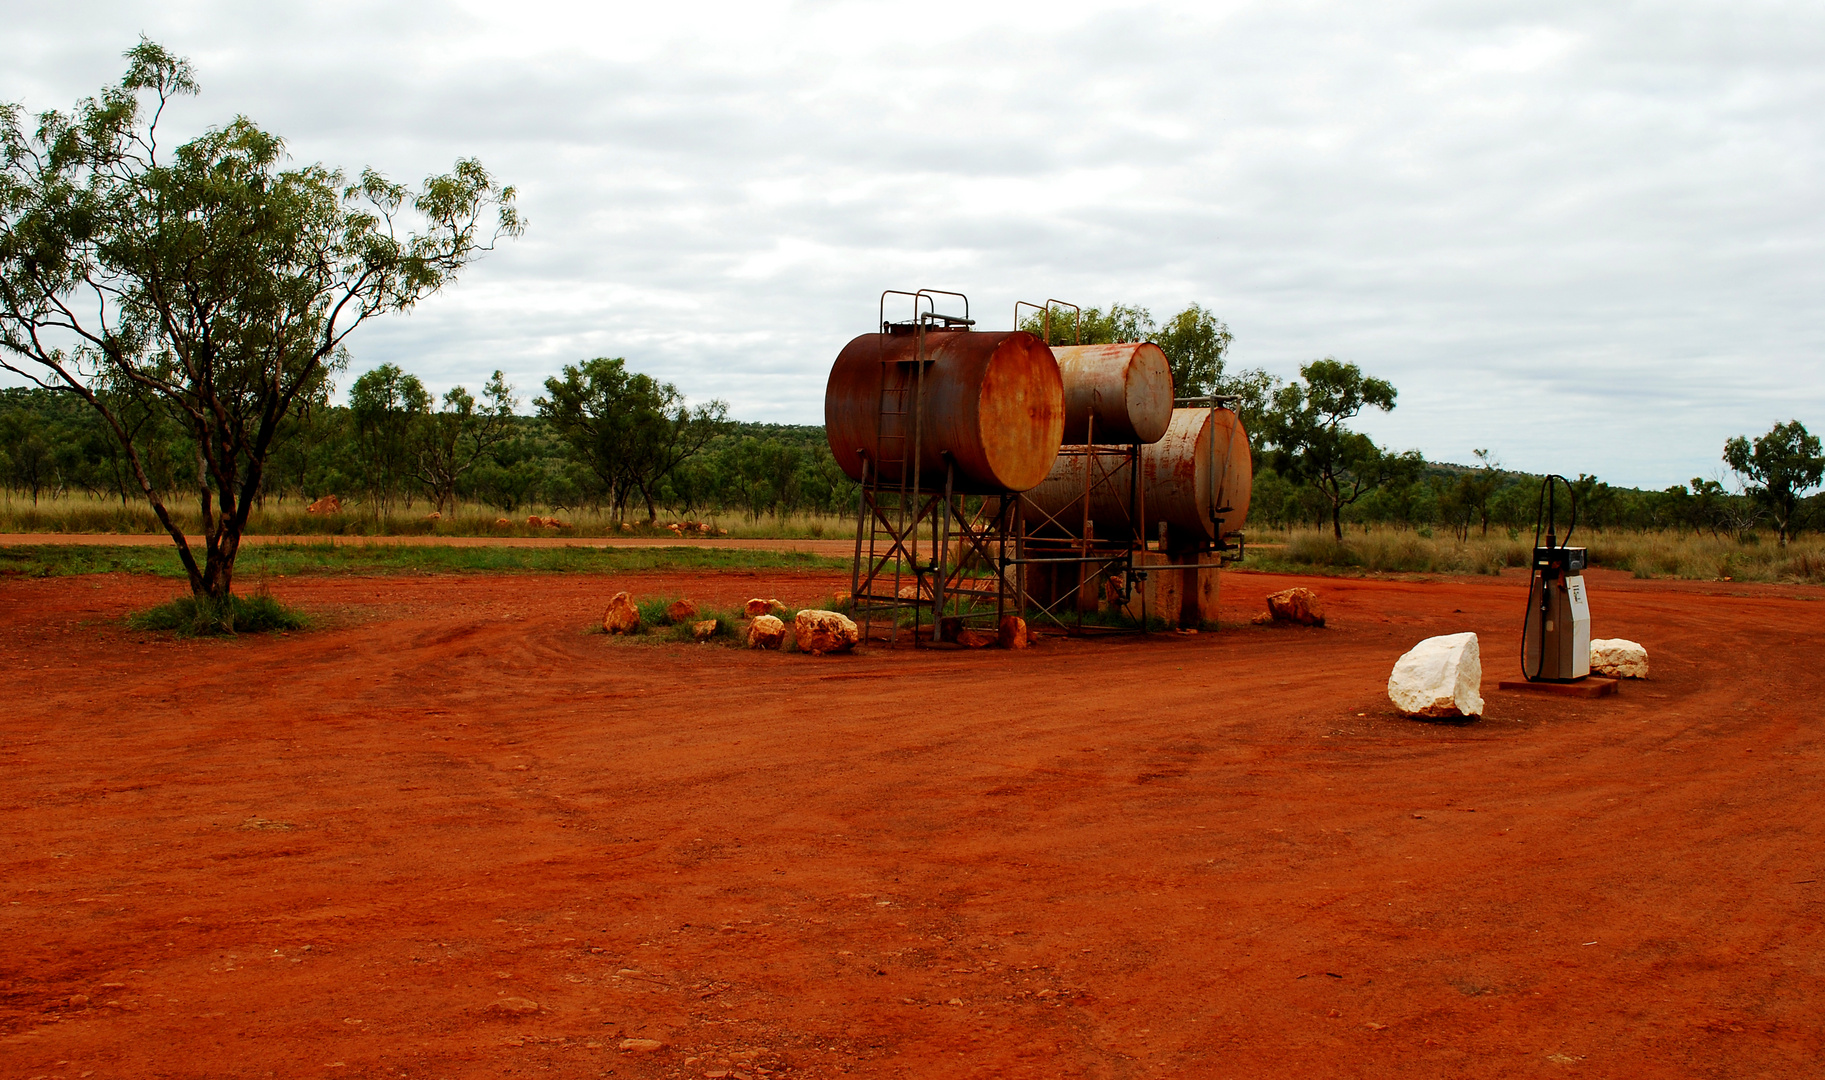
column 1296, row 605
column 622, row 616
column 766, row 632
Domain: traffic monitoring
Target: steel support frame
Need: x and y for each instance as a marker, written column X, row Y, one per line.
column 1094, row 555
column 915, row 552
column 896, row 512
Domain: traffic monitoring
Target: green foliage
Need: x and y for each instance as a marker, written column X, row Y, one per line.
column 652, row 612
column 385, row 405
column 1777, row 470
column 761, row 474
column 450, row 442
column 629, row 429
column 1091, row 326
column 204, row 299
column 205, row 616
column 1467, row 502
column 1195, row 341
column 1311, row 443
column 657, row 627
column 510, row 464
column 728, row 623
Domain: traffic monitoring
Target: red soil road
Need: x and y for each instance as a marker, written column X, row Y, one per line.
column 452, row 834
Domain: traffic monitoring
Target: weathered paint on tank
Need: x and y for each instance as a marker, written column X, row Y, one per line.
column 994, row 404
column 1236, row 469
column 1126, row 389
column 1202, row 461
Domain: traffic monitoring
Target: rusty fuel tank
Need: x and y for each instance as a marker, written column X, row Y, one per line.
column 1115, row 393
column 1202, row 462
column 994, row 407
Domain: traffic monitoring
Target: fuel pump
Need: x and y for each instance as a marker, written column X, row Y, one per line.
column 1556, row 635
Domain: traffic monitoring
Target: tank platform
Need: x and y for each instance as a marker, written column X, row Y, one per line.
column 1593, row 686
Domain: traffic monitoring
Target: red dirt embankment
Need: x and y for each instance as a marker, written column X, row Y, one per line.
column 452, row 834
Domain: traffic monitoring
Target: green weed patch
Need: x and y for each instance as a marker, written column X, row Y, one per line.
column 198, row 616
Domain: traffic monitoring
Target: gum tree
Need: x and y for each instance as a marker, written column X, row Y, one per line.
column 1778, row 469
column 1196, row 342
column 386, row 405
column 629, row 429
column 455, row 439
column 1311, row 443
column 209, row 284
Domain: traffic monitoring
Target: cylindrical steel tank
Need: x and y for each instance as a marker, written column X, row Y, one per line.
column 1126, row 389
column 1201, row 464
column 994, row 406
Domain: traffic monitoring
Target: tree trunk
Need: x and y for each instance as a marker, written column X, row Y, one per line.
column 1337, row 521
column 217, row 581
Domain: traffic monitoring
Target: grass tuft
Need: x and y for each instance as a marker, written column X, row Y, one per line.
column 657, row 626
column 200, row 616
column 727, row 623
column 652, row 612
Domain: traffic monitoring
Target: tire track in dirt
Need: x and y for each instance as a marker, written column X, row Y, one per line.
column 511, row 843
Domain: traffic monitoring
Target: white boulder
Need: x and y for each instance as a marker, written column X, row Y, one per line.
column 1441, row 676
column 766, row 632
column 819, row 632
column 1619, row 658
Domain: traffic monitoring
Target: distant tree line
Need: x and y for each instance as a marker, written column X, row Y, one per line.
column 394, row 448
column 601, row 438
column 607, row 439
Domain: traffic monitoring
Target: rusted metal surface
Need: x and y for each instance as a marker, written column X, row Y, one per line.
column 993, row 408
column 1235, row 462
column 1121, row 392
column 1200, row 466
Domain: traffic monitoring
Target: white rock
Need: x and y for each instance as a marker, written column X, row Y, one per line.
column 766, row 632
column 819, row 632
column 1619, row 658
column 1441, row 676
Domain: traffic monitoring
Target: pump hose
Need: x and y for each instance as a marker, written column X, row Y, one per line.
column 1545, row 513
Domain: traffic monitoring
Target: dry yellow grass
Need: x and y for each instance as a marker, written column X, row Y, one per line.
column 1645, row 554
column 1378, row 549
column 283, row 517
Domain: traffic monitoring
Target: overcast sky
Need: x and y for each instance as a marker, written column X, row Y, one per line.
column 1587, row 237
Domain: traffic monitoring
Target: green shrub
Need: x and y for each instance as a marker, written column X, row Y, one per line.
column 195, row 616
column 727, row 623
column 656, row 626
column 652, row 612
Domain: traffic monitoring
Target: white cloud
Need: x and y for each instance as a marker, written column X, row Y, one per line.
column 1588, row 238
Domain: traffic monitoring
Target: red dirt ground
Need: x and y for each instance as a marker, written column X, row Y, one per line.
column 451, row 834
